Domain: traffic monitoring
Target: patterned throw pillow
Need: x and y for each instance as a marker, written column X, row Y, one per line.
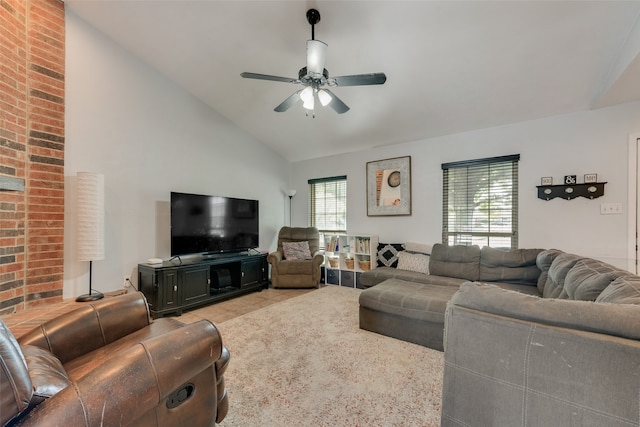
column 418, row 247
column 296, row 250
column 413, row 262
column 388, row 254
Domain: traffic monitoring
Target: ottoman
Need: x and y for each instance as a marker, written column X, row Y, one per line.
column 409, row 311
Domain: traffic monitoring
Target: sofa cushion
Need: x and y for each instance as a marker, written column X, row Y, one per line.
column 625, row 289
column 413, row 300
column 458, row 261
column 587, row 279
column 387, row 254
column 418, row 247
column 544, row 261
column 47, row 374
column 510, row 266
column 378, row 275
column 413, row 262
column 553, row 287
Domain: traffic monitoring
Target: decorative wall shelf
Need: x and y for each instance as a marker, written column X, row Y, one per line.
column 571, row 191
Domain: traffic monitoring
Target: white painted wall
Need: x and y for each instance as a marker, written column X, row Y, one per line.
column 573, row 144
column 149, row 137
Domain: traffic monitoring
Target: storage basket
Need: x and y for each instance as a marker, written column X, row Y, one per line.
column 365, row 265
column 333, row 262
column 349, row 263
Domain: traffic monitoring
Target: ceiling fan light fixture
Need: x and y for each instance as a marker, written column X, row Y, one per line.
column 309, row 104
column 316, row 56
column 324, row 97
column 306, row 94
column 314, row 77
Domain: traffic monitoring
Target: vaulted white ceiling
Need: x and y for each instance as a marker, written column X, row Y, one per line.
column 451, row 66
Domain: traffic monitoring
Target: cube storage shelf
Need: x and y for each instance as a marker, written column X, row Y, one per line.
column 346, row 256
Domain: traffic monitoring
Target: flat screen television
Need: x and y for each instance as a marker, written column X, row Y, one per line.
column 212, row 224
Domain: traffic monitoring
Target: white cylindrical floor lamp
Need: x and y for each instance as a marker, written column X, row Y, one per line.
column 90, row 224
column 290, row 193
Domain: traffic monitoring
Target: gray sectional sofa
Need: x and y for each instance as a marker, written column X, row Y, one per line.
column 560, row 349
column 410, row 306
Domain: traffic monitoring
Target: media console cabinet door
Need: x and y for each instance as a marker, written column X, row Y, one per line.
column 251, row 271
column 168, row 289
column 194, row 284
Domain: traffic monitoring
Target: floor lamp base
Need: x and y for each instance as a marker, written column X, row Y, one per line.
column 90, row 297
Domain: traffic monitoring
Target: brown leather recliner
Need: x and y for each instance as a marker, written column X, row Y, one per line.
column 108, row 364
column 296, row 273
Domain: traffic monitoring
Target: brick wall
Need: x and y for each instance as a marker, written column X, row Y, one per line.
column 31, row 151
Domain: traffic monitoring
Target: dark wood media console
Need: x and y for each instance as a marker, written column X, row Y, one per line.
column 175, row 286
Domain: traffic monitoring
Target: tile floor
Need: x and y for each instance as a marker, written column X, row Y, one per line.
column 23, row 321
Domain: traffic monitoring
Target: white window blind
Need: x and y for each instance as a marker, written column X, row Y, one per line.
column 328, row 204
column 480, row 202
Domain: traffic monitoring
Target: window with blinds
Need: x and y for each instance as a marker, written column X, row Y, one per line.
column 328, row 204
column 480, row 202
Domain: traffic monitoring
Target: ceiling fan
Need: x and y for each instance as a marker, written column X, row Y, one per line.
column 316, row 78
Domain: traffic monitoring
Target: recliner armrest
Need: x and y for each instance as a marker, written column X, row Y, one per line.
column 275, row 257
column 91, row 326
column 318, row 258
column 137, row 380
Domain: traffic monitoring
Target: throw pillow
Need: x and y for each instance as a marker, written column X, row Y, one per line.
column 413, row 262
column 388, row 254
column 296, row 250
column 418, row 247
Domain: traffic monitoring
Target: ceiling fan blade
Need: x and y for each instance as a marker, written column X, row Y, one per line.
column 268, row 77
column 316, row 56
column 336, row 103
column 288, row 103
column 359, row 79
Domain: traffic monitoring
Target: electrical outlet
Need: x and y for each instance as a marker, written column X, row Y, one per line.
column 127, row 281
column 610, row 208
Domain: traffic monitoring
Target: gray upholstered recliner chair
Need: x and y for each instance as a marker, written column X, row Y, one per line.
column 295, row 273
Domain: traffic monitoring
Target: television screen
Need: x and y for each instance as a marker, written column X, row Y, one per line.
column 212, row 224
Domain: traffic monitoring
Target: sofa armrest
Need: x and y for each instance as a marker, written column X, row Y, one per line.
column 505, row 364
column 137, row 380
column 91, row 326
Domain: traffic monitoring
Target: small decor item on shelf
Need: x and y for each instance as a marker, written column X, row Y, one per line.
column 349, row 263
column 590, row 178
column 570, row 179
column 365, row 264
column 546, row 180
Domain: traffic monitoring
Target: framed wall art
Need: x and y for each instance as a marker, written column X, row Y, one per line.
column 389, row 187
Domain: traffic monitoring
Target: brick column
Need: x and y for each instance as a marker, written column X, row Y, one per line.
column 31, row 153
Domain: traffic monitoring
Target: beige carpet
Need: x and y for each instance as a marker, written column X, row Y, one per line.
column 305, row 362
